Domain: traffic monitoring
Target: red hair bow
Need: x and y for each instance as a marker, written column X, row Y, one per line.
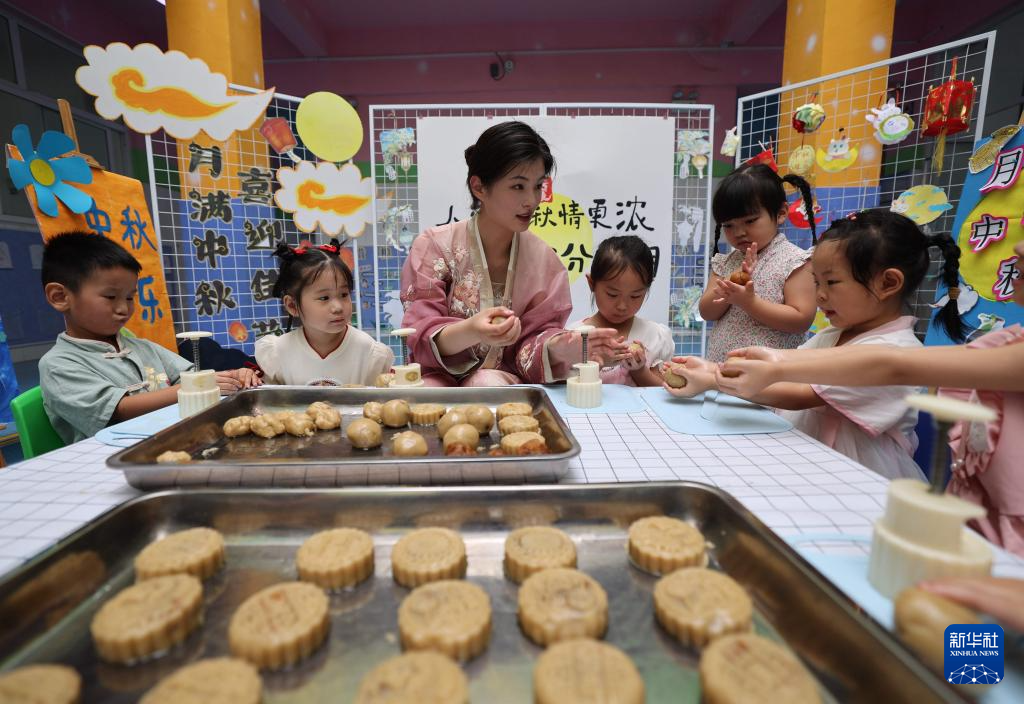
column 303, row 248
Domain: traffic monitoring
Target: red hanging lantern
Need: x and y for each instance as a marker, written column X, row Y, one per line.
column 947, row 111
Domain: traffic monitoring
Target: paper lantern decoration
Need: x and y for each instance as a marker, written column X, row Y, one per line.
column 808, row 118
column 947, row 111
column 840, row 154
column 891, row 124
column 801, row 160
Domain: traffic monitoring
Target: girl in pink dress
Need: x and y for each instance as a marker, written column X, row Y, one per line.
column 866, row 267
column 987, row 465
column 775, row 307
column 489, row 299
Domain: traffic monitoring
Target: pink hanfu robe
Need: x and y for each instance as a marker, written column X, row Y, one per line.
column 445, row 279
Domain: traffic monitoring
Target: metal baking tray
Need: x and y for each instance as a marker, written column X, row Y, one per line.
column 327, row 458
column 46, row 606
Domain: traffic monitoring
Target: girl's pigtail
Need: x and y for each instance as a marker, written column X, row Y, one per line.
column 949, row 315
column 718, row 236
column 801, row 184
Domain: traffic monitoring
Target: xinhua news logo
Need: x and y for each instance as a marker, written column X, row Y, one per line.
column 974, row 653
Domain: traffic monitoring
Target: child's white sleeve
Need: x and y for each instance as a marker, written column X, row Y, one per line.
column 267, row 358
column 664, row 349
column 381, row 361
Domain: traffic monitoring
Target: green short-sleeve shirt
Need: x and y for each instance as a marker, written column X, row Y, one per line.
column 83, row 380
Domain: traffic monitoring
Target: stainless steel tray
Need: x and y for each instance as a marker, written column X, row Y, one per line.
column 46, row 606
column 327, row 459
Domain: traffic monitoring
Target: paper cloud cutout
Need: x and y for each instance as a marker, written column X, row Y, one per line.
column 154, row 90
column 335, row 198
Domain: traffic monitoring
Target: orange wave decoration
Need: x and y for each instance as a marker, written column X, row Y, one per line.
column 310, row 195
column 130, row 87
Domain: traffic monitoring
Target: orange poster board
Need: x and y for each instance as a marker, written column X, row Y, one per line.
column 120, row 214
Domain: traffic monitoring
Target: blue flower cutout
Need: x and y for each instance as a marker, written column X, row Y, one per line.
column 49, row 175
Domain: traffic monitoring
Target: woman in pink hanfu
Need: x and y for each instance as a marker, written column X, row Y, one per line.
column 489, row 299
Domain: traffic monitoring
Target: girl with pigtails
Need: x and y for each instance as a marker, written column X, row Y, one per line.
column 866, row 267
column 315, row 285
column 761, row 292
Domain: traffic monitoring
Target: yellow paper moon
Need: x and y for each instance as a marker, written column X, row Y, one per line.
column 329, row 126
column 574, row 244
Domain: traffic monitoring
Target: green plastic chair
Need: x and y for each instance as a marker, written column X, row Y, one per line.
column 34, row 430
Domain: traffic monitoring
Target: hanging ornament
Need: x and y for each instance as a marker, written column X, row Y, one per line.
column 730, row 142
column 839, row 156
column 985, row 155
column 798, row 214
column 766, row 156
column 922, row 204
column 801, row 160
column 891, row 124
column 808, row 118
column 947, row 111
column 692, row 148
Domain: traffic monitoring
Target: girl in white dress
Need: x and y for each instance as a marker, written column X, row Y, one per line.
column 866, row 267
column 315, row 285
column 621, row 274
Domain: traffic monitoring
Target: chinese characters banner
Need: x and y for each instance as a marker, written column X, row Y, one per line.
column 988, row 224
column 614, row 176
column 120, row 213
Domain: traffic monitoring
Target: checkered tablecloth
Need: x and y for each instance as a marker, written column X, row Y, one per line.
column 798, row 487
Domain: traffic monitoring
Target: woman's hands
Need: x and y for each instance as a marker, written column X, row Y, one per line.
column 495, row 327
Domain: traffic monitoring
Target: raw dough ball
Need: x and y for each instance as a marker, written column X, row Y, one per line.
column 372, row 410
column 299, row 424
column 324, row 415
column 480, row 417
column 739, row 277
column 461, row 440
column 173, row 457
column 395, row 414
column 455, row 416
column 267, row 426
column 364, row 433
column 672, row 378
column 408, row 444
column 238, row 426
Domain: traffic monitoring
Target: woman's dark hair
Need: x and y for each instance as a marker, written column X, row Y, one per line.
column 615, row 254
column 876, row 240
column 502, row 148
column 301, row 266
column 750, row 189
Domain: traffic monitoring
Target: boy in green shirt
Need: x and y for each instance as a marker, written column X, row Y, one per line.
column 94, row 375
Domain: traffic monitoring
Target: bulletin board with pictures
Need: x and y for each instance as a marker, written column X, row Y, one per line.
column 620, row 170
column 897, row 134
